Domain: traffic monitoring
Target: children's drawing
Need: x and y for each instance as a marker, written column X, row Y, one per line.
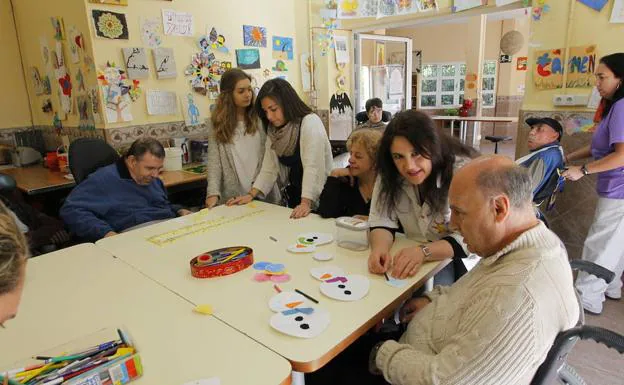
column 204, row 44
column 177, row 23
column 282, row 48
column 335, row 284
column 280, row 66
column 110, row 25
column 59, row 28
column 161, row 102
column 191, row 112
column 40, row 84
column 136, row 63
column 164, row 62
column 427, row 5
column 116, row 94
column 80, row 83
column 548, row 72
column 340, row 116
column 594, row 4
column 217, row 41
column 248, row 58
column 151, row 29
column 75, row 38
column 254, row 36
column 581, row 67
column 112, row 2
column 47, row 106
column 85, row 113
column 94, row 104
column 297, row 316
column 205, row 74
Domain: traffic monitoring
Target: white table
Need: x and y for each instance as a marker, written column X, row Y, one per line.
column 476, row 128
column 243, row 303
column 75, row 292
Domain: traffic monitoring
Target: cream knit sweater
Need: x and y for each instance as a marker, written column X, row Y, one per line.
column 493, row 326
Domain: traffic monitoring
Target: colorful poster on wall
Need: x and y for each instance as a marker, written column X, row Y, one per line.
column 75, row 38
column 94, row 100
column 85, row 113
column 594, row 4
column 521, row 63
column 217, row 41
column 112, row 2
column 386, row 8
column 578, row 123
column 136, row 62
column 407, row 6
column 548, row 71
column 282, row 48
column 165, row 64
column 248, row 58
column 348, row 9
column 617, row 14
column 581, row 67
column 59, row 28
column 116, row 94
column 463, row 5
column 177, row 23
column 110, row 25
column 254, row 36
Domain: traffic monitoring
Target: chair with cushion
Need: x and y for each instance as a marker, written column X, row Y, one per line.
column 362, row 117
column 555, row 369
column 87, row 155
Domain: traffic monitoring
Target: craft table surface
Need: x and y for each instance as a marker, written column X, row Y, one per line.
column 243, row 303
column 37, row 179
column 73, row 293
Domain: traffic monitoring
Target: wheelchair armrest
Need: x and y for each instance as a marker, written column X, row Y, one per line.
column 603, row 336
column 592, row 268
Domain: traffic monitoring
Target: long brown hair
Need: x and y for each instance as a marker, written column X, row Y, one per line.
column 224, row 118
column 13, row 252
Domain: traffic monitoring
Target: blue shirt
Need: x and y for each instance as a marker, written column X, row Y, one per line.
column 110, row 200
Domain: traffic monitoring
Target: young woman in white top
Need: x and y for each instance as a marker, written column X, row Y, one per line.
column 297, row 151
column 415, row 165
column 236, row 142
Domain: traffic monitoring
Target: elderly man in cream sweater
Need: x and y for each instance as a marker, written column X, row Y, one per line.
column 497, row 323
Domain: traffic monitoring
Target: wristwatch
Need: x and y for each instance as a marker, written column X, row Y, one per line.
column 584, row 169
column 427, row 252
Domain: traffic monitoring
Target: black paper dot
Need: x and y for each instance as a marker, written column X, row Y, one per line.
column 304, row 326
column 347, row 292
column 299, row 318
column 309, row 240
column 341, row 286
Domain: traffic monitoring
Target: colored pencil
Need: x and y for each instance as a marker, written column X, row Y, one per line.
column 277, row 288
column 386, row 275
column 273, row 239
column 235, row 254
column 307, row 296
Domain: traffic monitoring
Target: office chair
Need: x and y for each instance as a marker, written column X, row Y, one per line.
column 87, row 155
column 361, row 117
column 555, row 369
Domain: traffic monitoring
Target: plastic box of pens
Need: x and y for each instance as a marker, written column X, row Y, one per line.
column 105, row 358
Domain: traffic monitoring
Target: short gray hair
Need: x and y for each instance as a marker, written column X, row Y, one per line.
column 141, row 146
column 513, row 181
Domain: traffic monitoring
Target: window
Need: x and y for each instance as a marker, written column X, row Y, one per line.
column 488, row 88
column 442, row 85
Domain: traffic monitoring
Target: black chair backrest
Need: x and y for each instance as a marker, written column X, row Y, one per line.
column 550, row 188
column 362, row 117
column 87, row 155
column 7, row 184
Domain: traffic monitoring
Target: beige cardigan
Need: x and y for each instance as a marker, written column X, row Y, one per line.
column 493, row 326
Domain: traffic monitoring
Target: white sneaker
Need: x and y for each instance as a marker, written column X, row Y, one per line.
column 592, row 308
column 613, row 294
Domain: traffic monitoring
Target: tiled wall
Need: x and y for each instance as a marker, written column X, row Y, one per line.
column 574, row 209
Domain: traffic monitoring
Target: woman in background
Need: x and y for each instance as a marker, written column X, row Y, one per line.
column 297, row 153
column 235, row 141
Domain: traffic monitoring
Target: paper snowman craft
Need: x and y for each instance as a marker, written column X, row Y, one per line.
column 307, row 242
column 338, row 285
column 296, row 316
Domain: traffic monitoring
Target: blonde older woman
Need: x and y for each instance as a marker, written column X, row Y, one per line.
column 348, row 191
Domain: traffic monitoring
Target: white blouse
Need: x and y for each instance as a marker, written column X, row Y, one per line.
column 246, row 153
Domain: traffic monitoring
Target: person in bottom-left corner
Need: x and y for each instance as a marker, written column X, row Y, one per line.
column 13, row 256
column 121, row 195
